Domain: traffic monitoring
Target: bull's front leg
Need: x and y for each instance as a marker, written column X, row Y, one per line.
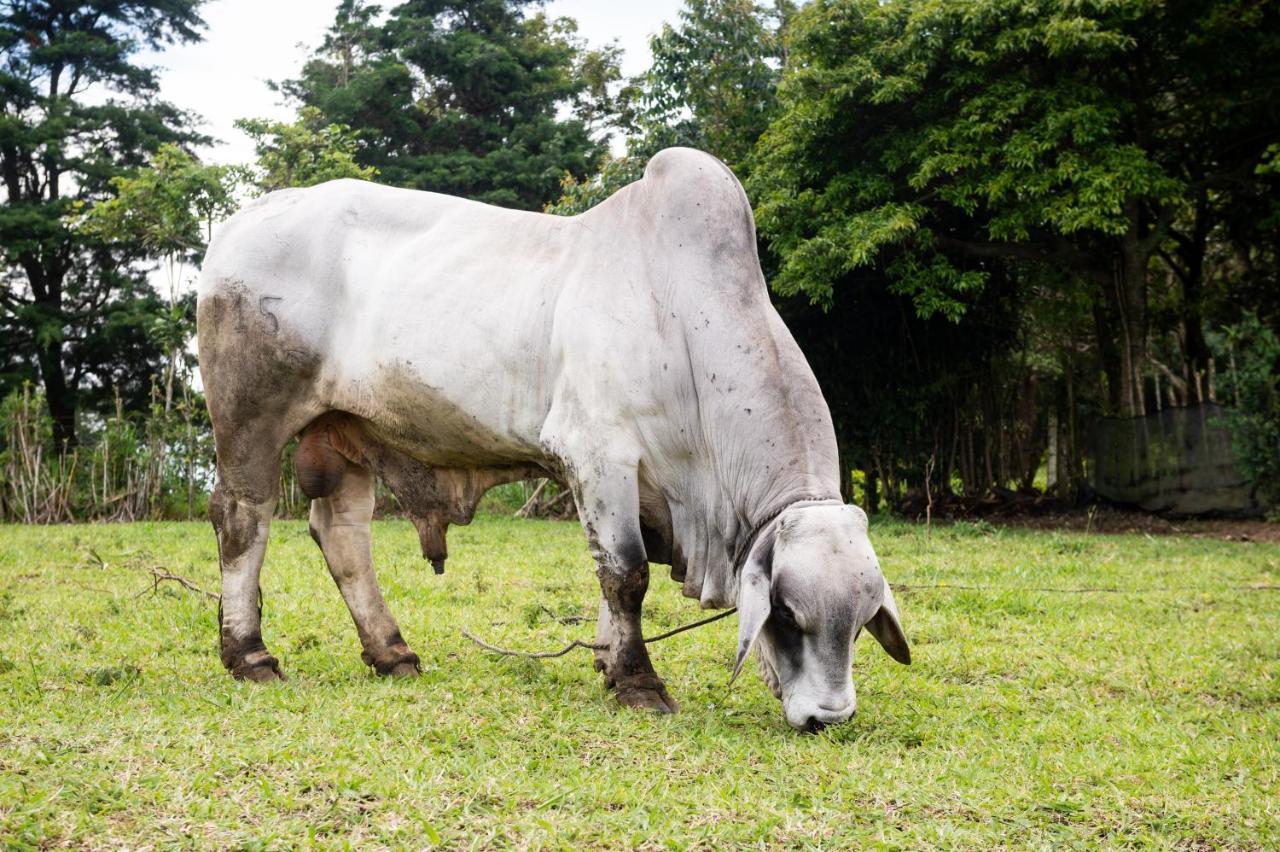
column 609, row 508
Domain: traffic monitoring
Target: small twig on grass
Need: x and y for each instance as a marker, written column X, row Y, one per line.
column 159, row 575
column 565, row 619
column 576, row 643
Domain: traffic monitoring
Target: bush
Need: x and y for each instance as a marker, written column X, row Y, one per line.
column 1254, row 418
column 128, row 466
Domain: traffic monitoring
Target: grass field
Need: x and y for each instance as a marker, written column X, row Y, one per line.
column 1030, row 718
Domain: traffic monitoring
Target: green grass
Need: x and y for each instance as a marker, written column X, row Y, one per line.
column 1028, row 719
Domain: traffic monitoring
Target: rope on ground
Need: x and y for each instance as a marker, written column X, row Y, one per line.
column 576, row 643
column 534, row 655
column 567, row 620
column 728, row 612
column 903, row 587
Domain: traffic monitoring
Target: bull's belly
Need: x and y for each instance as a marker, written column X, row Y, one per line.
column 442, row 422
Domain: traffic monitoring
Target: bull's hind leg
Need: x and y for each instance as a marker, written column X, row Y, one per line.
column 609, row 509
column 240, row 508
column 340, row 524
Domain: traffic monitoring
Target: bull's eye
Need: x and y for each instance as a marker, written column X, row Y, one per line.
column 785, row 615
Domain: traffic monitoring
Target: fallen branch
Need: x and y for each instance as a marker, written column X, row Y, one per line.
column 533, row 508
column 159, row 575
column 523, row 511
column 556, row 499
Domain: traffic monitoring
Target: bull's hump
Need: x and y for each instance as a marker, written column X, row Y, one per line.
column 688, row 164
column 699, row 206
column 683, row 174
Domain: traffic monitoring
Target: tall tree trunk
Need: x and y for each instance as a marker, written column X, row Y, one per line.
column 1196, row 348
column 60, row 398
column 1132, row 296
column 1122, row 325
column 1105, row 332
column 872, row 489
column 1028, row 436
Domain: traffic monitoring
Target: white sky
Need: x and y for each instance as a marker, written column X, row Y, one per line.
column 248, row 42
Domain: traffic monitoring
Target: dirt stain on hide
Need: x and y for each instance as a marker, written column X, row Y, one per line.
column 260, row 382
column 235, row 526
column 405, row 412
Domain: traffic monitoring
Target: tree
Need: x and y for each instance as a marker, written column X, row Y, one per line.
column 1254, row 419
column 935, row 139
column 167, row 209
column 580, row 195
column 713, row 81
column 474, row 98
column 303, row 153
column 712, row 86
column 68, row 299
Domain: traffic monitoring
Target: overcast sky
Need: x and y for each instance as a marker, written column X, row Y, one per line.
column 248, row 42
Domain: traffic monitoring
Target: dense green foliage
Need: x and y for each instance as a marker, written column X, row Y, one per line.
column 75, row 313
column 462, row 97
column 168, row 208
column 304, row 152
column 712, row 86
column 1028, row 719
column 987, row 222
column 934, row 139
column 1254, row 360
column 990, row 221
column 712, row 81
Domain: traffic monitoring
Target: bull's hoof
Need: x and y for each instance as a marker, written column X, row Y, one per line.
column 398, row 662
column 400, row 670
column 258, row 669
column 644, row 692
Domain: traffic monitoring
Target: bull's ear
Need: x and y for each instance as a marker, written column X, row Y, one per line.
column 887, row 628
column 753, row 600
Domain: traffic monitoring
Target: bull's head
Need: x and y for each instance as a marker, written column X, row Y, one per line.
column 809, row 585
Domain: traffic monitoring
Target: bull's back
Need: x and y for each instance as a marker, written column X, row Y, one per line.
column 427, row 316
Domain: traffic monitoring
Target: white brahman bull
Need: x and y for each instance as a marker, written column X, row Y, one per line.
column 631, row 352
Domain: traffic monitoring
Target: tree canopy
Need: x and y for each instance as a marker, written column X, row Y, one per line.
column 989, row 223
column 303, row 152
column 712, row 86
column 478, row 98
column 73, row 305
column 933, row 139
column 985, row 217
